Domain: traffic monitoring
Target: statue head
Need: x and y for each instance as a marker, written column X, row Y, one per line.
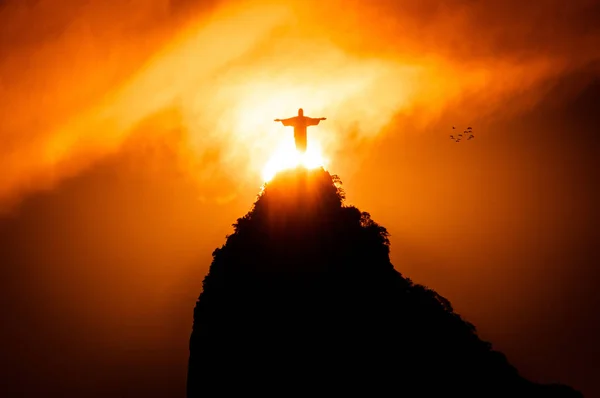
column 300, row 112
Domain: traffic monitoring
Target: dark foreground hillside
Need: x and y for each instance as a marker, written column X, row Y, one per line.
column 303, row 299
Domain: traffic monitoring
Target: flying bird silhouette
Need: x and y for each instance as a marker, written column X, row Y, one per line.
column 468, row 132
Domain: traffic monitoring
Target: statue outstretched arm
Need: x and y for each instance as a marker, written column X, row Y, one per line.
column 287, row 122
column 313, row 121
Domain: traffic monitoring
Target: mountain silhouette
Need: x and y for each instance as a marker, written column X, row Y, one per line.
column 303, row 299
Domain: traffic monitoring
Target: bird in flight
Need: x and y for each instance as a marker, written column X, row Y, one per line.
column 467, row 132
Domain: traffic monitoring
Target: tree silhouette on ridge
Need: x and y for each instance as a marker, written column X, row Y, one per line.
column 303, row 298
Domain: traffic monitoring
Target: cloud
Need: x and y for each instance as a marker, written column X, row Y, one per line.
column 82, row 76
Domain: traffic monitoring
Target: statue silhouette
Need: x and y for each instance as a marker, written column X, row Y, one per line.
column 300, row 123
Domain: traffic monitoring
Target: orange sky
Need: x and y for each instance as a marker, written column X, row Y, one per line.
column 148, row 124
column 84, row 76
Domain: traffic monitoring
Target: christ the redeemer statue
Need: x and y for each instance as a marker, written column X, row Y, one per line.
column 300, row 123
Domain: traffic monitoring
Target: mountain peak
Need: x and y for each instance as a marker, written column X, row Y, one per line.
column 303, row 297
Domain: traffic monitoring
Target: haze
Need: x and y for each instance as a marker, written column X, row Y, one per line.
column 134, row 133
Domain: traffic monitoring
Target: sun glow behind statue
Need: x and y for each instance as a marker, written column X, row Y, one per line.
column 214, row 85
column 286, row 157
